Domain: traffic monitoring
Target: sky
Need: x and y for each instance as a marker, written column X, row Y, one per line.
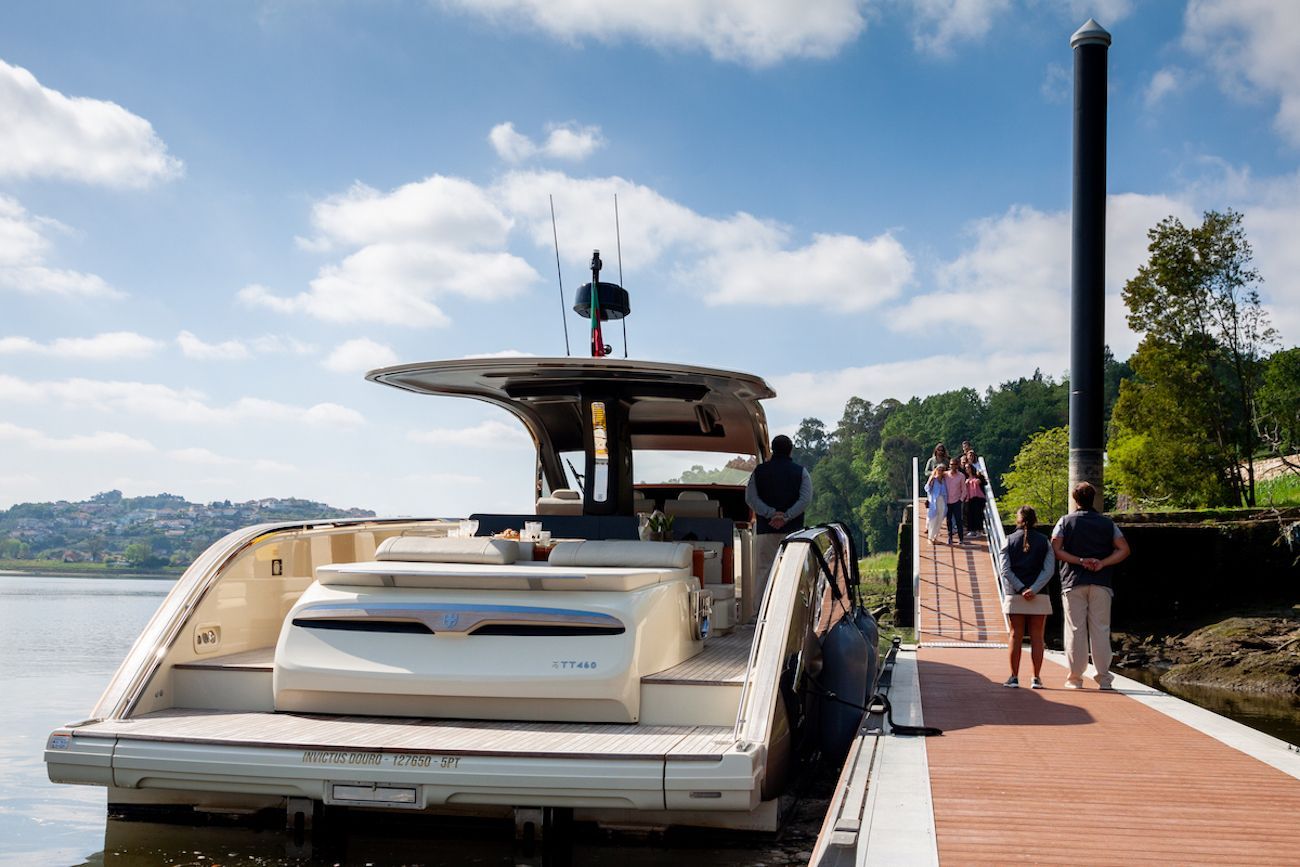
column 215, row 217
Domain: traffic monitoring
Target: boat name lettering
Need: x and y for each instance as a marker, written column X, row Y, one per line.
column 399, row 760
column 322, row 757
column 573, row 663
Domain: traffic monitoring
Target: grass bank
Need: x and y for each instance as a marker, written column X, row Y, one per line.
column 89, row 570
column 878, row 573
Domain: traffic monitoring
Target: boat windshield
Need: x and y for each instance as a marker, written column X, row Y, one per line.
column 657, row 467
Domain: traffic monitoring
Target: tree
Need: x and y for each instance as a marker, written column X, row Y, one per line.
column 1040, row 475
column 1197, row 367
column 138, row 553
column 1278, row 406
column 811, row 442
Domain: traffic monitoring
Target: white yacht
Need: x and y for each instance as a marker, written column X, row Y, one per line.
column 407, row 665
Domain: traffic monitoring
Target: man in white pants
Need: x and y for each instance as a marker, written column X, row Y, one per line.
column 779, row 492
column 1088, row 545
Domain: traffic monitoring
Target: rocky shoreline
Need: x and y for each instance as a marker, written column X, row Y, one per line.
column 1253, row 652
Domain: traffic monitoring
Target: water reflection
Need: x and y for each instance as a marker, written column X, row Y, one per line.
column 1276, row 715
column 435, row 843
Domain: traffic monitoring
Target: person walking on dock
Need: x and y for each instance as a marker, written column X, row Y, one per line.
column 938, row 459
column 975, row 500
column 1088, row 544
column 1026, row 565
column 936, row 493
column 779, row 492
column 955, row 484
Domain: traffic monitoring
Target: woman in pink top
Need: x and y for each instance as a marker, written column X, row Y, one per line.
column 975, row 501
column 955, row 487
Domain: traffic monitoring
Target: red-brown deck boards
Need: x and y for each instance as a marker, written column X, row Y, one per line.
column 1088, row 777
column 1060, row 776
column 958, row 602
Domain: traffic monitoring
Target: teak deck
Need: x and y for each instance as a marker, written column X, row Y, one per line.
column 443, row 737
column 1060, row 776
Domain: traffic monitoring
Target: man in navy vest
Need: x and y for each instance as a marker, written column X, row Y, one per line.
column 779, row 492
column 1087, row 545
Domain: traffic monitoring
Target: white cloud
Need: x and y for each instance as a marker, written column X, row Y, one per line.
column 1018, row 270
column 23, row 248
column 401, row 278
column 48, row 134
column 753, row 32
column 838, row 272
column 1165, row 81
column 195, row 347
column 452, row 210
column 110, row 346
column 207, row 457
column 164, row 403
column 487, row 435
column 418, row 243
column 511, row 145
column 99, row 442
column 567, row 141
column 1057, row 83
column 734, row 260
column 823, row 393
column 1252, row 45
column 1106, row 12
column 360, row 355
column 572, row 142
column 938, row 24
column 504, row 353
column 228, row 350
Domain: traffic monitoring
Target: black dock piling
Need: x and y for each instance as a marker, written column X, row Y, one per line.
column 1091, row 45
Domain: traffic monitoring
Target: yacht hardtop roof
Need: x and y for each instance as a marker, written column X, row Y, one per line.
column 676, row 407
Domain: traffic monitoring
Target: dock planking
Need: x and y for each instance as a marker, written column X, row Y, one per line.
column 1060, row 776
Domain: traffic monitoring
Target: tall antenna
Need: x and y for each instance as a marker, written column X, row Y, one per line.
column 618, row 235
column 556, row 237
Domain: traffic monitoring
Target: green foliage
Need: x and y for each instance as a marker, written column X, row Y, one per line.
column 138, row 553
column 1040, row 476
column 1197, row 368
column 1278, row 405
column 15, row 549
column 1280, row 490
column 698, row 475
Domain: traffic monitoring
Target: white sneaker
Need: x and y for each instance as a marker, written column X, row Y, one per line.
column 1036, row 683
column 1012, row 682
column 1074, row 684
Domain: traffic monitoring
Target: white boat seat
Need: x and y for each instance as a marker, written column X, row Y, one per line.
column 488, row 576
column 611, row 552
column 641, row 504
column 436, row 549
column 693, row 504
column 562, row 501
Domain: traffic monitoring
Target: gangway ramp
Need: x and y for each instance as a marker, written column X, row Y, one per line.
column 1051, row 776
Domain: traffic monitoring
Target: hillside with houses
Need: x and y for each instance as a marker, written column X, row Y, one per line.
column 149, row 532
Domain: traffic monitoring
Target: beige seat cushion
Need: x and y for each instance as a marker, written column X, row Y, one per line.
column 562, row 501
column 436, row 549
column 693, row 504
column 655, row 555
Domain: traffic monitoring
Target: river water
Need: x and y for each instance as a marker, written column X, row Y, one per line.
column 61, row 639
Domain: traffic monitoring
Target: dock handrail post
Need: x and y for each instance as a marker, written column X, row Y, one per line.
column 916, row 549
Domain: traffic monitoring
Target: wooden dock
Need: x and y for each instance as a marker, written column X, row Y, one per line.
column 1051, row 776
